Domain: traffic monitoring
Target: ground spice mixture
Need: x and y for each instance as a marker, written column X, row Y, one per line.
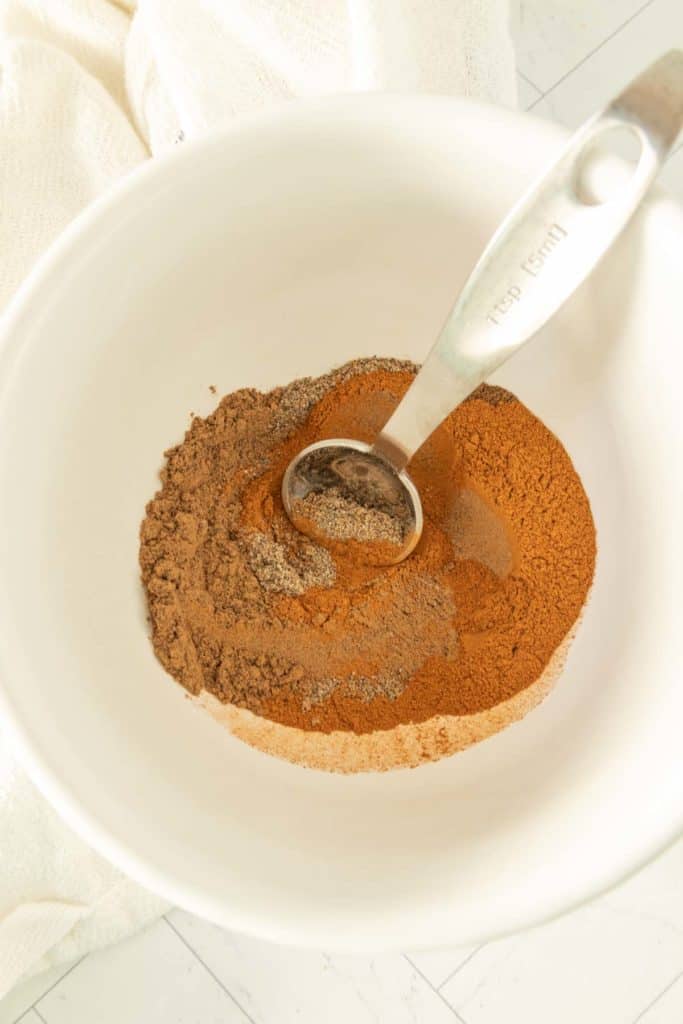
column 247, row 608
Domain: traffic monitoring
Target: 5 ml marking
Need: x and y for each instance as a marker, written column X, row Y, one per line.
column 532, row 265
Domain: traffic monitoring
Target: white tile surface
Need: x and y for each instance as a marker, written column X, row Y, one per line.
column 276, row 985
column 31, row 1017
column 438, row 965
column 656, row 29
column 29, row 992
column 604, row 966
column 152, row 978
column 609, row 960
column 527, row 93
column 667, row 1008
column 617, row 961
column 553, row 36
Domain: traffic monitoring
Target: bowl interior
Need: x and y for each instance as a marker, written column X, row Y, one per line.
column 283, row 248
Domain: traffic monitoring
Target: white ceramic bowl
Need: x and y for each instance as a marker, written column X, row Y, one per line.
column 284, row 246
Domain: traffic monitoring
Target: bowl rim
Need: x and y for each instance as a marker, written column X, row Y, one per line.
column 44, row 277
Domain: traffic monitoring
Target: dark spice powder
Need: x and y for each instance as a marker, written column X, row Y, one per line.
column 245, row 607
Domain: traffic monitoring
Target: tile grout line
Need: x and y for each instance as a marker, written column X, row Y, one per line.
column 208, row 970
column 528, row 81
column 434, row 990
column 592, row 52
column 25, row 1014
column 34, row 1004
column 460, row 966
column 658, row 997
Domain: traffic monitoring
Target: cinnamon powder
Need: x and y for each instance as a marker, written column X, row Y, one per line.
column 245, row 607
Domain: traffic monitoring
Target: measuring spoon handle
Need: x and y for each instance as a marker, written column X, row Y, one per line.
column 547, row 245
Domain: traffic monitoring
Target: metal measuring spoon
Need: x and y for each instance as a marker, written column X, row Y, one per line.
column 547, row 245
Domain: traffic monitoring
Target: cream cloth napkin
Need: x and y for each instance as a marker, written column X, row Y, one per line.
column 89, row 90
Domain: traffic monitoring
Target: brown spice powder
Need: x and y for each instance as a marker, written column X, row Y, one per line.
column 244, row 606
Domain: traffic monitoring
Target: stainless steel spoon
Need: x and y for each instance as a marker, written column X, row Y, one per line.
column 546, row 246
